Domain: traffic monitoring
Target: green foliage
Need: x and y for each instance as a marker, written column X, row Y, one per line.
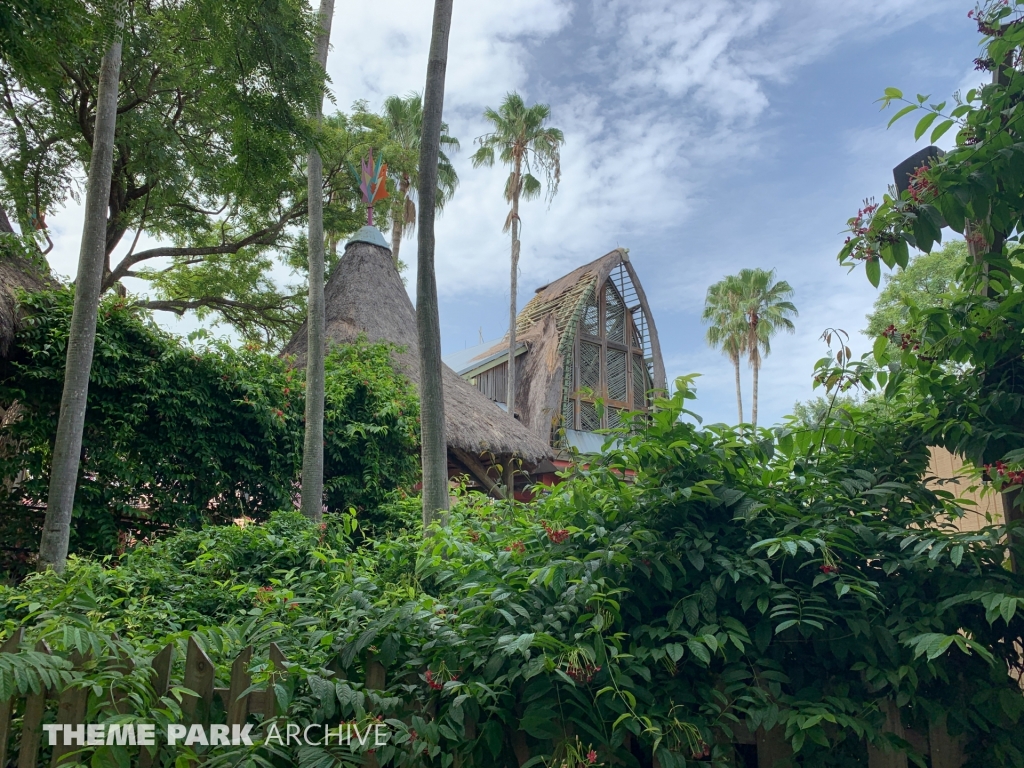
column 522, row 141
column 798, row 578
column 926, row 282
column 957, row 357
column 176, row 434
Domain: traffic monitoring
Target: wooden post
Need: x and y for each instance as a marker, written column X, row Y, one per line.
column 889, row 759
column 946, row 751
column 199, row 678
column 238, row 706
column 11, row 646
column 161, row 665
column 31, row 724
column 773, row 751
column 479, row 471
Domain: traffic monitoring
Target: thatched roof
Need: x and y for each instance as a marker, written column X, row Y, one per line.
column 15, row 273
column 365, row 295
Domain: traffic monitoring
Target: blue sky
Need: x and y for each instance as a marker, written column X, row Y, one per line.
column 704, row 136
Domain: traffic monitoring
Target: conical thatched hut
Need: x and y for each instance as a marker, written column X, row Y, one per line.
column 588, row 335
column 365, row 296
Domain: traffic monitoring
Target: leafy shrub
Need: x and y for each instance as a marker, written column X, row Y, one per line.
column 175, row 435
column 800, row 580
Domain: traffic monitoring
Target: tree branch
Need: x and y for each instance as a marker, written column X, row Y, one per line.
column 265, row 236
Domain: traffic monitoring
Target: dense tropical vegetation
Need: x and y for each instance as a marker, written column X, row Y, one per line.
column 799, row 580
column 177, row 434
column 687, row 585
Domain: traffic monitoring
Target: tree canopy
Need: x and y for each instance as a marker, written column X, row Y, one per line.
column 928, row 281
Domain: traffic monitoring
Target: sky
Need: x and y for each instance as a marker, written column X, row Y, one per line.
column 705, row 137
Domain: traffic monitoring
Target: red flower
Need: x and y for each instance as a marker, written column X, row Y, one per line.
column 557, row 537
column 591, row 757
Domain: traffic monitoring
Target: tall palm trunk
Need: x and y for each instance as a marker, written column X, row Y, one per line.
column 510, row 379
column 67, row 449
column 428, row 325
column 753, row 415
column 398, row 220
column 313, row 442
column 739, row 390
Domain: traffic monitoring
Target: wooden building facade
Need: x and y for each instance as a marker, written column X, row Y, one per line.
column 584, row 340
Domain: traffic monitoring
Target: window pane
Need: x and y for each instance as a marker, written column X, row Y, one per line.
column 614, row 316
column 590, row 366
column 614, row 417
column 588, row 417
column 591, row 322
column 616, row 375
column 640, row 383
column 569, row 414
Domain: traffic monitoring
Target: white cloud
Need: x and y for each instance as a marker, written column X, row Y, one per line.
column 663, row 104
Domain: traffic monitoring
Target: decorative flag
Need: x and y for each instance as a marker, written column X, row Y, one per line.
column 373, row 183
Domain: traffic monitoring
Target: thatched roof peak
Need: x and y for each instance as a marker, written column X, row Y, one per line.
column 365, row 296
column 565, row 298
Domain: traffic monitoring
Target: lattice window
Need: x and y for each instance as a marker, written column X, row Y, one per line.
column 614, row 417
column 569, row 414
column 617, row 375
column 588, row 417
column 640, row 385
column 614, row 316
column 590, row 366
column 591, row 320
column 609, row 360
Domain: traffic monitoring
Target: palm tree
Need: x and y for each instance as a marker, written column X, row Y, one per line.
column 67, row 447
column 403, row 117
column 313, row 440
column 434, row 446
column 727, row 327
column 523, row 142
column 766, row 311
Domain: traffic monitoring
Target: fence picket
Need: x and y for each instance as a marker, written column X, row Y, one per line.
column 161, row 666
column 269, row 698
column 199, row 678
column 32, row 722
column 11, row 646
column 945, row 750
column 238, row 705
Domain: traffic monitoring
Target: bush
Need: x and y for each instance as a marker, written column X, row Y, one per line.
column 798, row 580
column 175, row 435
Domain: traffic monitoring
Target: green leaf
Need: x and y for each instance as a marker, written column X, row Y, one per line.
column 901, row 253
column 893, row 93
column 874, row 271
column 941, row 128
column 956, row 554
column 924, row 123
column 905, row 111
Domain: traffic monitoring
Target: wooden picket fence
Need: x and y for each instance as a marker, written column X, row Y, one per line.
column 239, row 702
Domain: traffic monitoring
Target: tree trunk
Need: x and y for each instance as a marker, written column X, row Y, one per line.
column 428, row 325
column 313, row 443
column 398, row 221
column 753, row 407
column 510, row 379
column 397, row 230
column 67, row 449
column 739, row 391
